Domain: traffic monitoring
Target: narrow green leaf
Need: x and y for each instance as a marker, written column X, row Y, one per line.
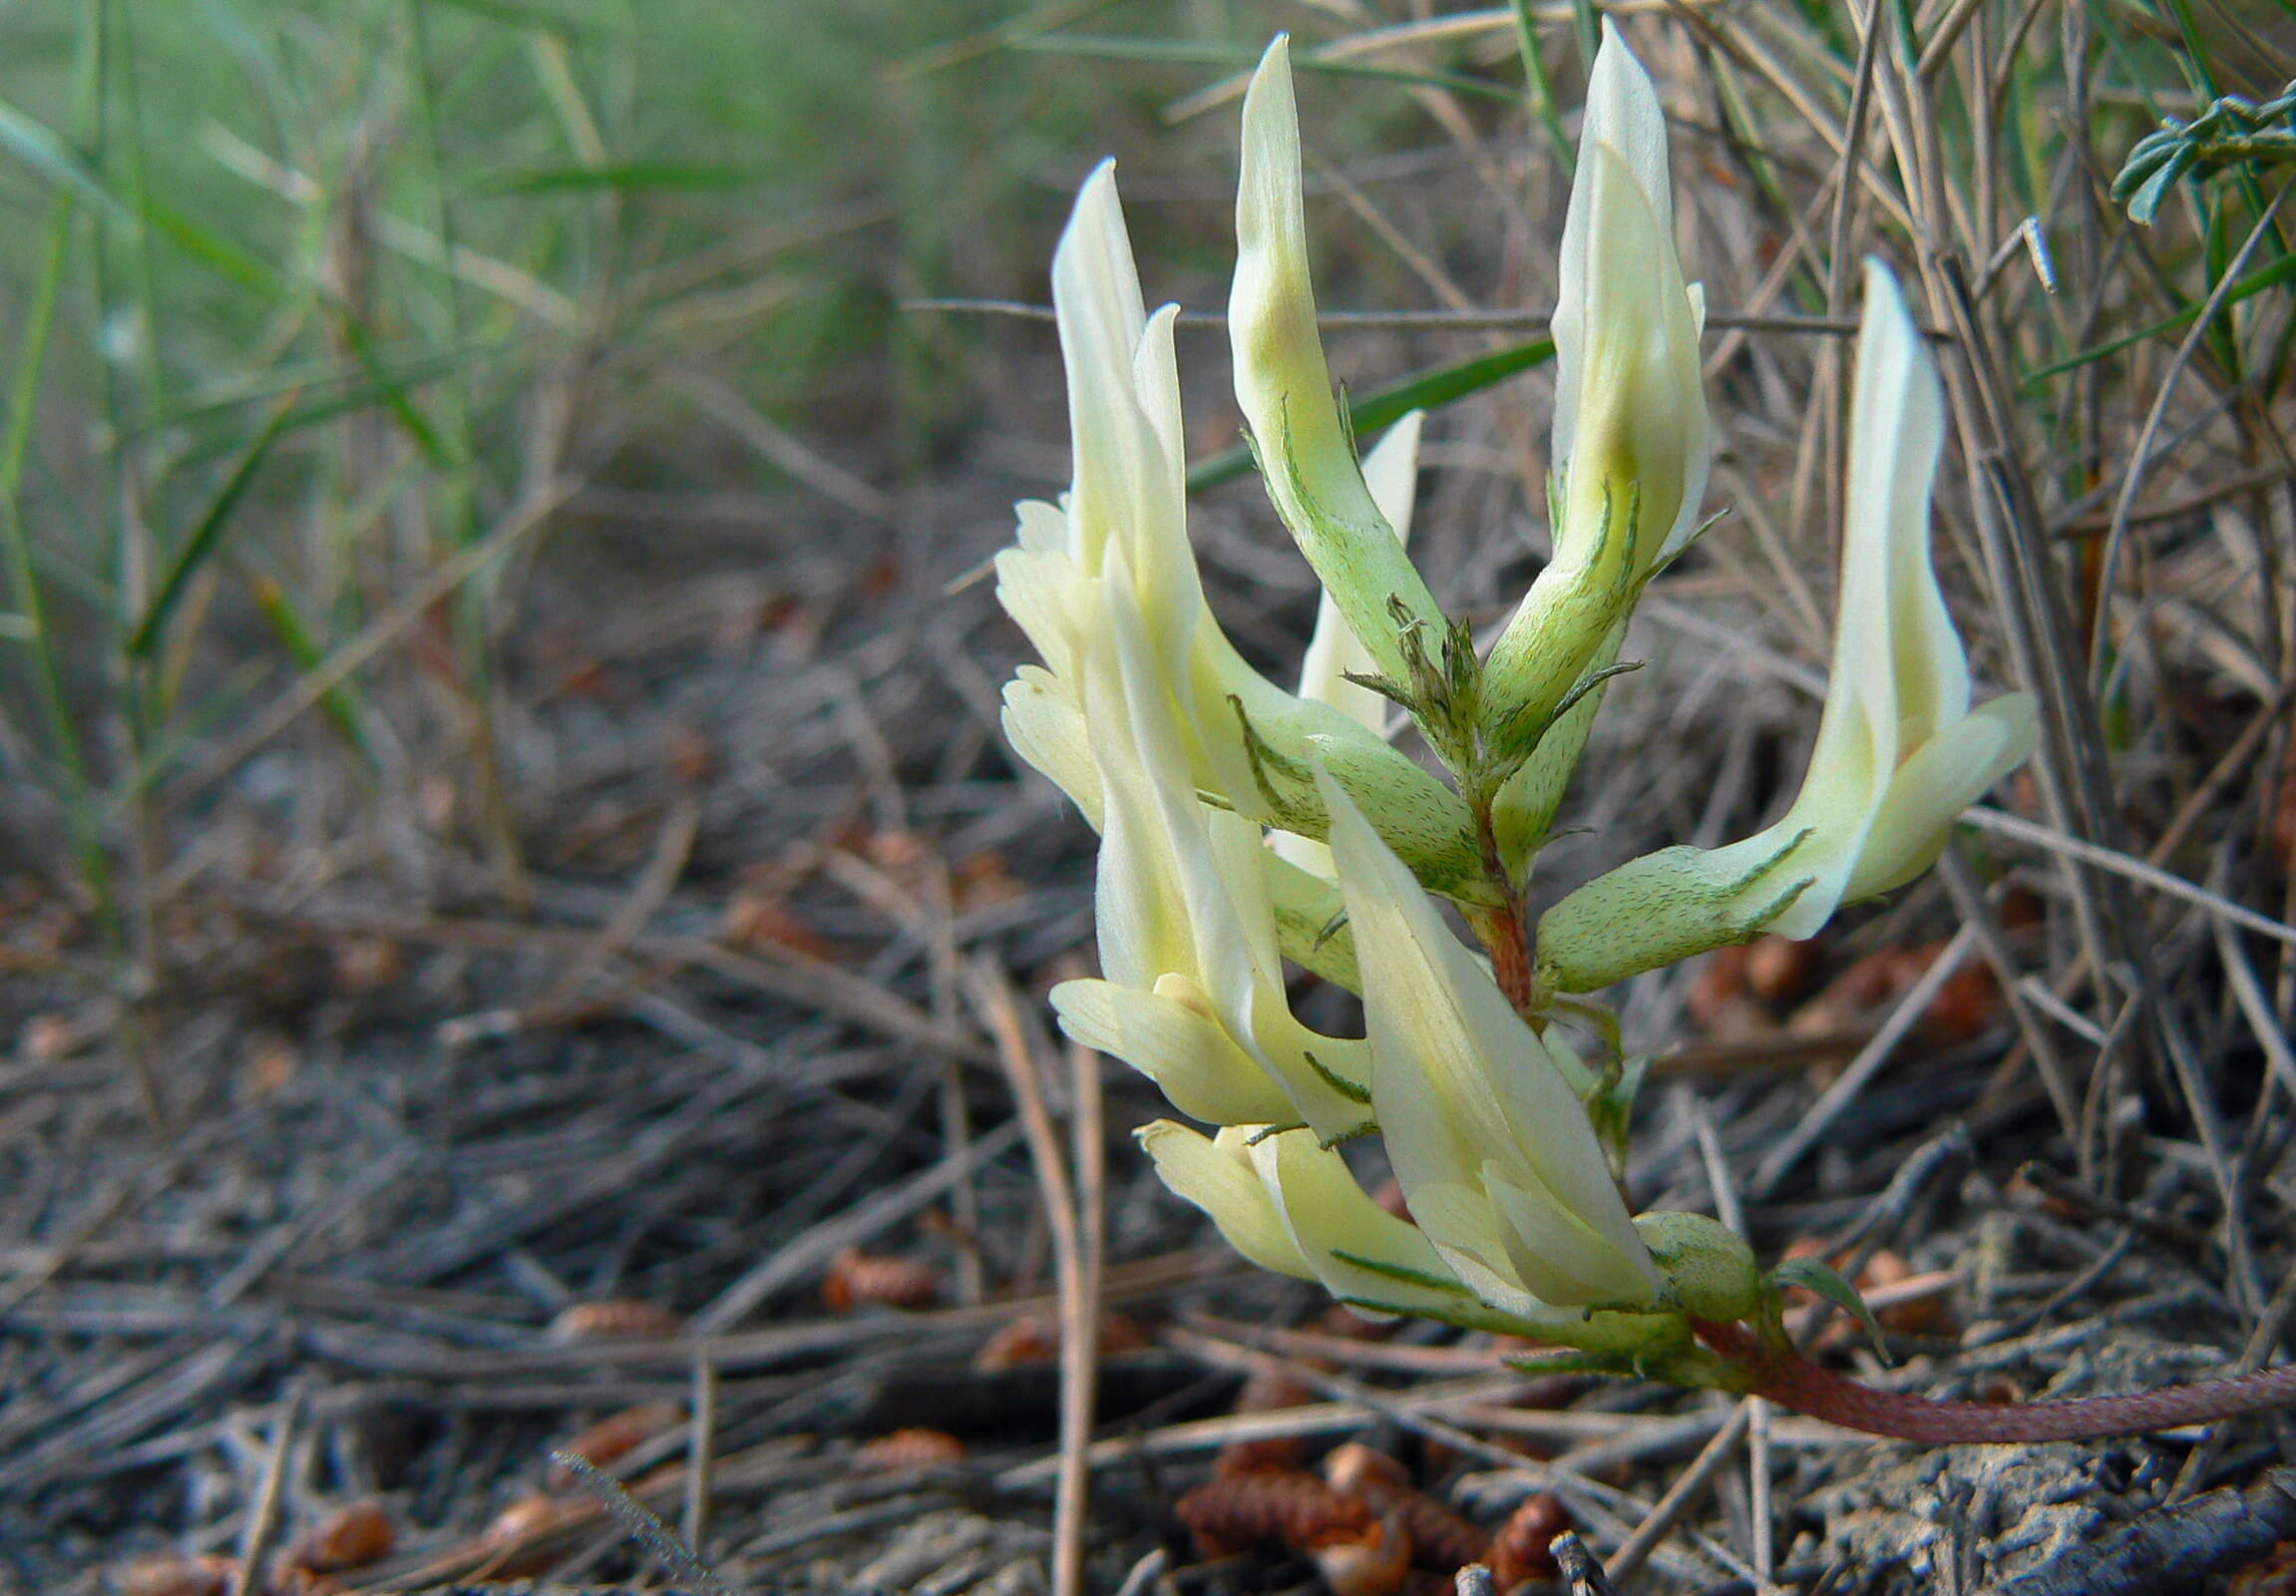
column 635, row 175
column 1539, row 83
column 1430, row 390
column 1812, row 1275
column 394, row 396
column 50, row 156
column 338, row 703
column 1402, row 1273
column 2255, row 282
column 522, row 14
column 39, row 146
column 209, row 529
column 1102, row 47
column 329, row 387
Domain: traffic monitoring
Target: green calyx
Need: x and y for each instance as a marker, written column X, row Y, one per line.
column 1710, row 1272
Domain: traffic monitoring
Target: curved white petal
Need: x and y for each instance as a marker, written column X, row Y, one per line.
column 1284, row 384
column 1896, row 636
column 1630, row 397
column 1465, row 1092
column 1899, row 753
column 1361, row 1252
column 1182, row 892
column 1391, row 471
column 1944, row 776
column 1622, row 113
column 1046, row 727
column 1218, row 1177
column 1178, row 1044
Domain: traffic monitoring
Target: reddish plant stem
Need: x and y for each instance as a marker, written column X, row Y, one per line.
column 1505, row 939
column 1504, row 931
column 1792, row 1380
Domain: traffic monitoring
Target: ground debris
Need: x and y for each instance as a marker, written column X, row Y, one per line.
column 2172, row 1549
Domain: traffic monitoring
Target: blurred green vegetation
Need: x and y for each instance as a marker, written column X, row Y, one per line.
column 313, row 311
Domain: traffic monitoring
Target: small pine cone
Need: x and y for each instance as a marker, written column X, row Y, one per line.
column 1288, row 1507
column 1377, row 1565
column 861, row 1280
column 613, row 1438
column 1268, row 1388
column 528, row 1515
column 614, row 1319
column 1719, row 990
column 1121, row 1333
column 352, row 1536
column 1365, row 1472
column 1034, row 1339
column 1441, row 1540
column 1521, row 1550
column 521, row 1534
column 1967, row 1006
column 909, row 1448
column 166, row 1574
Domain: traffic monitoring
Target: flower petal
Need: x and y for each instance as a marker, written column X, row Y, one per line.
column 1177, row 1045
column 1285, row 386
column 1361, row 1252
column 1946, row 775
column 1047, row 728
column 1218, row 1177
column 1459, row 1084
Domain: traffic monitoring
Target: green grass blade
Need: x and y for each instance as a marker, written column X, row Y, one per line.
column 523, row 14
column 49, row 157
column 15, row 450
column 392, row 393
column 329, row 389
column 2253, row 283
column 295, row 638
column 1106, row 47
column 666, row 175
column 1541, row 84
column 1430, row 390
column 208, row 531
column 39, row 146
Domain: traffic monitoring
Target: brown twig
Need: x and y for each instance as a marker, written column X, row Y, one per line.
column 993, row 995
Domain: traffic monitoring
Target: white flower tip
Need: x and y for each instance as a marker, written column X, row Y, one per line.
column 1891, row 346
column 1882, row 290
column 1097, row 206
column 1268, row 102
column 1622, row 112
column 1268, row 194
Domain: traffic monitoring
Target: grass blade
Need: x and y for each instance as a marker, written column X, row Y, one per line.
column 209, row 529
column 1430, row 390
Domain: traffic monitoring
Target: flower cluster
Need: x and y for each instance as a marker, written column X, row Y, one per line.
column 1243, row 825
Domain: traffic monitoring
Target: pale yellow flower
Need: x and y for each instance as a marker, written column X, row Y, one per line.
column 1900, row 753
column 1293, row 1206
column 1482, row 1116
column 1632, row 442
